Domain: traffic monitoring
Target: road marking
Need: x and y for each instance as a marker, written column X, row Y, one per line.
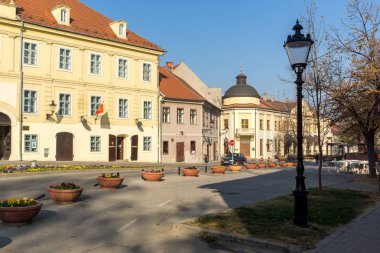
column 164, row 203
column 126, row 225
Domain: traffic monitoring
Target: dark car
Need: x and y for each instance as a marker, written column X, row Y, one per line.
column 235, row 158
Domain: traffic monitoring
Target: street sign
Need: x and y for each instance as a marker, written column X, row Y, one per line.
column 232, row 142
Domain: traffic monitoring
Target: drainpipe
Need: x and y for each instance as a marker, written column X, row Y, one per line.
column 21, row 84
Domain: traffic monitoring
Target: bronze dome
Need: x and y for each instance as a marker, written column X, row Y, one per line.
column 241, row 88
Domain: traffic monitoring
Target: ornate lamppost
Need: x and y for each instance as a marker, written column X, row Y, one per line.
column 298, row 47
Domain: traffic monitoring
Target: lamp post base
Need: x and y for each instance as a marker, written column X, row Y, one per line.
column 300, row 207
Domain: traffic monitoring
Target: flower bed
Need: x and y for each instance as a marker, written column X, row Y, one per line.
column 110, row 180
column 65, row 192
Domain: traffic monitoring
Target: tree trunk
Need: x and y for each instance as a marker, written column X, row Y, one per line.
column 320, row 167
column 370, row 142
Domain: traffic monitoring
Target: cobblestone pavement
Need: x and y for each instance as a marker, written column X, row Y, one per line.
column 360, row 236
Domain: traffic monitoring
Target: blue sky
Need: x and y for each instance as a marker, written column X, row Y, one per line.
column 214, row 37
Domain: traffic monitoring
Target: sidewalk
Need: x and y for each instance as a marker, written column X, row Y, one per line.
column 360, row 236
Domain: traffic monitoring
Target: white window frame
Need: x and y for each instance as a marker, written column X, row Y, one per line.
column 59, row 103
column 35, row 111
column 71, row 59
column 36, row 53
column 64, row 15
column 147, row 143
column 168, row 115
column 180, row 120
column 98, row 144
column 90, row 103
column 150, row 74
column 90, row 62
column 118, row 67
column 121, row 29
column 30, row 150
column 193, row 117
column 150, row 112
column 118, row 108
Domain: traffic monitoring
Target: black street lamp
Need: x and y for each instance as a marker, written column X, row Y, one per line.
column 298, row 47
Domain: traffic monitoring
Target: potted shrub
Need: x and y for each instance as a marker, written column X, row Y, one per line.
column 65, row 192
column 251, row 166
column 190, row 171
column 110, row 180
column 19, row 210
column 152, row 175
column 219, row 169
column 236, row 167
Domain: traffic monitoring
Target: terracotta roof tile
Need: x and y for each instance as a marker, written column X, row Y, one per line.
column 268, row 105
column 84, row 20
column 176, row 88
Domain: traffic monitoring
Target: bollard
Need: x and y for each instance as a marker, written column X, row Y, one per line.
column 205, row 169
column 179, row 171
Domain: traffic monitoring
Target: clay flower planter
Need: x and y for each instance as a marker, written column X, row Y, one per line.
column 152, row 175
column 272, row 164
column 110, row 180
column 292, row 164
column 66, row 192
column 262, row 165
column 19, row 214
column 251, row 166
column 236, row 168
column 218, row 169
column 191, row 171
column 283, row 164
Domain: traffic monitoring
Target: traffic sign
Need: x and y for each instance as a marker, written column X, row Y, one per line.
column 232, row 142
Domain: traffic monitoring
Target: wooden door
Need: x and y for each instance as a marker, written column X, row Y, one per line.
column 134, row 147
column 214, row 151
column 180, row 157
column 64, row 146
column 112, row 148
column 245, row 146
column 120, row 148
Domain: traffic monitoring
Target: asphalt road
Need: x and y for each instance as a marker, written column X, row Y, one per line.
column 139, row 217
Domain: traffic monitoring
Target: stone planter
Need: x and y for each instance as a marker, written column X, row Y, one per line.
column 109, row 182
column 218, row 170
column 20, row 214
column 236, row 168
column 64, row 195
column 190, row 172
column 251, row 166
column 262, row 165
column 152, row 176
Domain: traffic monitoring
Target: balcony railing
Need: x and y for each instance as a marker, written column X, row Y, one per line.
column 245, row 131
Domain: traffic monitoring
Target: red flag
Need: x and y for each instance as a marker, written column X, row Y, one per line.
column 100, row 109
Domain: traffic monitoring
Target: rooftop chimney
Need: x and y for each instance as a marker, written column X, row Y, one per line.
column 265, row 96
column 272, row 98
column 169, row 65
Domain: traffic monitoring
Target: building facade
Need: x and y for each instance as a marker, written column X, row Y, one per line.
column 260, row 127
column 75, row 85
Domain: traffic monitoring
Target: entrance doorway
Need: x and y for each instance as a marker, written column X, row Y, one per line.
column 5, row 137
column 120, row 148
column 180, row 150
column 112, row 148
column 64, row 146
column 245, row 145
column 134, row 147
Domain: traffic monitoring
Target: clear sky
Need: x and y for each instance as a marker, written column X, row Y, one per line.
column 214, row 37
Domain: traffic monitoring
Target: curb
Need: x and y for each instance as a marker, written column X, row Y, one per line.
column 245, row 240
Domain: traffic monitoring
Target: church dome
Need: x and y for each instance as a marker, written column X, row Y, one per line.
column 241, row 89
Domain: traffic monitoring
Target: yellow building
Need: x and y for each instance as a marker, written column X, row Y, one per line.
column 85, row 86
column 262, row 127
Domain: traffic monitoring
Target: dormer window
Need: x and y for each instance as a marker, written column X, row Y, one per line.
column 64, row 15
column 119, row 27
column 61, row 14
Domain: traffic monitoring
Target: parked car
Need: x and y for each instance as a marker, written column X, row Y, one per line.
column 233, row 158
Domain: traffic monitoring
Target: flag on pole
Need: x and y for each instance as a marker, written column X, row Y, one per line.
column 99, row 111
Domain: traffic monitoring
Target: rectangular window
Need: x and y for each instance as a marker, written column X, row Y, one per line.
column 30, row 53
column 63, row 15
column 64, row 104
column 193, row 117
column 30, row 143
column 65, row 59
column 279, row 126
column 95, row 143
column 261, row 147
column 180, row 115
column 166, row 115
column 275, row 126
column 268, row 145
column 95, row 64
column 147, row 72
column 192, row 147
column 268, row 124
column 165, row 147
column 121, row 29
column 244, row 123
column 261, row 125
column 147, row 143
column 30, row 101
column 225, row 124
column 123, row 68
column 123, row 108
column 94, row 104
column 147, row 110
column 275, row 145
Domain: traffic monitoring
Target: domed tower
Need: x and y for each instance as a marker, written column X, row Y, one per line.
column 241, row 92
